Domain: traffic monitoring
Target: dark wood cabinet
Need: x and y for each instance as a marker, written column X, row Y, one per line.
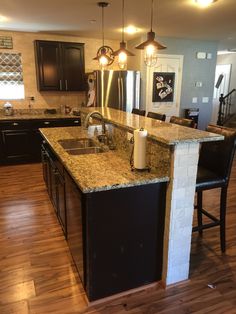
column 61, row 201
column 60, row 66
column 20, row 140
column 54, row 180
column 75, row 226
column 124, row 243
column 15, row 141
column 16, row 145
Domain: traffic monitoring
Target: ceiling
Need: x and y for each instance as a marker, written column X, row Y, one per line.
column 172, row 18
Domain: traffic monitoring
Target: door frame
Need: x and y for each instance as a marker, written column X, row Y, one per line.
column 178, row 90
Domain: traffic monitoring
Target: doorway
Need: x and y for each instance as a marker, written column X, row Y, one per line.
column 222, row 76
column 163, row 86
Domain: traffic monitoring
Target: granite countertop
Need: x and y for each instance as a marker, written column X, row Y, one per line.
column 163, row 132
column 102, row 171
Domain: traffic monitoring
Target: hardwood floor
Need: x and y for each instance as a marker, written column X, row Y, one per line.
column 37, row 275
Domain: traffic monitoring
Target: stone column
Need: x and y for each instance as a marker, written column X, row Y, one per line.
column 179, row 212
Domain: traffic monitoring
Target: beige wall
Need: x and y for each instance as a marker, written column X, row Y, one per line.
column 24, row 43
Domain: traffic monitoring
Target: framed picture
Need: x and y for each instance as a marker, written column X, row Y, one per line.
column 6, row 42
column 163, row 86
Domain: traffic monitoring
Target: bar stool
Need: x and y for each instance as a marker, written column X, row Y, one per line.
column 182, row 121
column 157, row 116
column 214, row 168
column 139, row 111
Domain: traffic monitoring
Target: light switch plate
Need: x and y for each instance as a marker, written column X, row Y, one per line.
column 194, row 100
column 201, row 55
column 205, row 100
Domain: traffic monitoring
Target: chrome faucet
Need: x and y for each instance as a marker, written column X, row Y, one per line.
column 98, row 115
column 104, row 138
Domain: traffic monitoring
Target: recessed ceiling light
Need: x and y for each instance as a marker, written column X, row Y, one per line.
column 131, row 29
column 204, row 3
column 3, row 18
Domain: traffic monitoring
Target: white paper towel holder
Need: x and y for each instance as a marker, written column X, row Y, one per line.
column 147, row 168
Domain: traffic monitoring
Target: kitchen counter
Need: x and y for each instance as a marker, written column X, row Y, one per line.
column 163, row 132
column 99, row 172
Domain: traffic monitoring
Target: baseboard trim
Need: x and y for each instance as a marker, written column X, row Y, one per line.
column 151, row 286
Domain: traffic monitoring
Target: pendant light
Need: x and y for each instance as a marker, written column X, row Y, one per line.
column 105, row 55
column 150, row 46
column 123, row 53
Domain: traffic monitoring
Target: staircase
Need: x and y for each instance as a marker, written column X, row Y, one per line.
column 227, row 110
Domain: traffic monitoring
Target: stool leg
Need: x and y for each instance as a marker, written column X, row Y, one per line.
column 223, row 200
column 199, row 213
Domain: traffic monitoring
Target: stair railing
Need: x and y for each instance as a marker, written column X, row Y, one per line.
column 225, row 107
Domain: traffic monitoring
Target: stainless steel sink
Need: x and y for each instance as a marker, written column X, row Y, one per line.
column 83, row 151
column 77, row 143
column 80, row 146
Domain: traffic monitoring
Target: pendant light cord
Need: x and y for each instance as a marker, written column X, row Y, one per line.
column 123, row 19
column 103, row 25
column 152, row 14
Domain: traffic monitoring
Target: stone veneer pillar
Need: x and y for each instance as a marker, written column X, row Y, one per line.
column 179, row 212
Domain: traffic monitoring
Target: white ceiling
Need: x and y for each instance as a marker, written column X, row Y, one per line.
column 173, row 18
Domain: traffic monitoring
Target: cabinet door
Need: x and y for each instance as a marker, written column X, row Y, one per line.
column 46, row 168
column 73, row 66
column 16, row 145
column 53, row 184
column 48, row 66
column 61, row 208
column 75, row 227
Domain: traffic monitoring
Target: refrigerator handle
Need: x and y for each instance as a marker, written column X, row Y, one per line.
column 122, row 93
column 119, row 92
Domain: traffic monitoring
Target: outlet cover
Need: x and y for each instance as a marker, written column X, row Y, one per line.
column 194, row 100
column 209, row 55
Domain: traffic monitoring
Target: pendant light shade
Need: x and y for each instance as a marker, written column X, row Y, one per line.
column 150, row 46
column 123, row 53
column 104, row 55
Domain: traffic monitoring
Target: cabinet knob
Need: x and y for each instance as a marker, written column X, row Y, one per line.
column 46, row 122
column 15, row 123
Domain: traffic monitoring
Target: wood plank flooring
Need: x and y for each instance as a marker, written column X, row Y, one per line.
column 37, row 275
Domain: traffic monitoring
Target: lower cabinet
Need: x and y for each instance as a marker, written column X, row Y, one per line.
column 75, row 225
column 115, row 237
column 20, row 140
column 54, row 180
column 16, row 145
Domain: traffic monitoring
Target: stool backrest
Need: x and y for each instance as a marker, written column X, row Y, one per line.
column 182, row 121
column 218, row 156
column 157, row 116
column 139, row 112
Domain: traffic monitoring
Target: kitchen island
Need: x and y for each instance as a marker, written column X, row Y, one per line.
column 136, row 227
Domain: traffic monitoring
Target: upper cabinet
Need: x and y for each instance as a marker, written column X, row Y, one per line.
column 60, row 66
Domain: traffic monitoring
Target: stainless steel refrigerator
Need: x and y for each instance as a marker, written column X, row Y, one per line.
column 117, row 89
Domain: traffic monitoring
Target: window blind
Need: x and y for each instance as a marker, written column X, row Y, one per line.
column 10, row 69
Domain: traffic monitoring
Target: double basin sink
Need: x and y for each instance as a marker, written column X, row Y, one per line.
column 80, row 146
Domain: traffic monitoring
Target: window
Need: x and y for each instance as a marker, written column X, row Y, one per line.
column 11, row 77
